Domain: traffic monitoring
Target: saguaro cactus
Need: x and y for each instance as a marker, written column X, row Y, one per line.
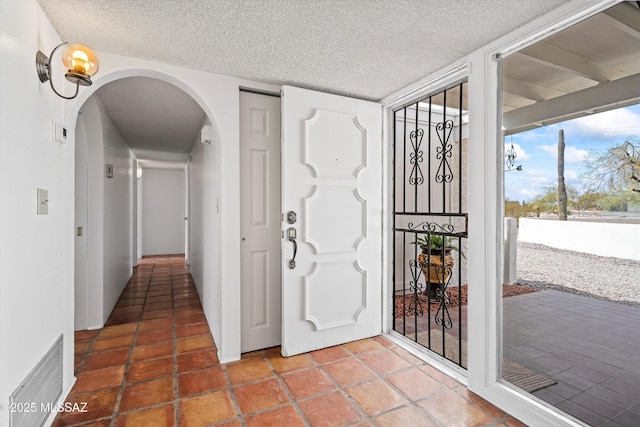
column 562, row 189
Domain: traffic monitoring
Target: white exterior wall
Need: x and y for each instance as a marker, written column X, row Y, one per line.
column 597, row 238
column 36, row 251
column 163, row 213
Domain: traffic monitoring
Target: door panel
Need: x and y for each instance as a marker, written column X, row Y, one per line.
column 331, row 153
column 260, row 221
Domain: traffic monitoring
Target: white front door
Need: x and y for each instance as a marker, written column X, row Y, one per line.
column 261, row 278
column 332, row 181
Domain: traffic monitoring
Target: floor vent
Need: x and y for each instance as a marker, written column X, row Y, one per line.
column 37, row 395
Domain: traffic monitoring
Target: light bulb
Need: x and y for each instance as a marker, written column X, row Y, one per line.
column 81, row 62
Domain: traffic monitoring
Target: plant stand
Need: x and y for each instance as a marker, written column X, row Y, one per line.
column 436, row 267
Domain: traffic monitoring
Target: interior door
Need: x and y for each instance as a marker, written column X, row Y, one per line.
column 260, row 205
column 332, row 186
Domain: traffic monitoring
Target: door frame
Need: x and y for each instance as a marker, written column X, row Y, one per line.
column 455, row 73
column 485, row 207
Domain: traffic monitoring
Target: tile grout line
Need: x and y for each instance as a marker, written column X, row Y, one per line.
column 268, row 357
column 293, row 401
column 232, row 396
column 116, row 408
column 174, row 336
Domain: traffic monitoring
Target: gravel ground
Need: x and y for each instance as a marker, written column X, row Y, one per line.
column 612, row 279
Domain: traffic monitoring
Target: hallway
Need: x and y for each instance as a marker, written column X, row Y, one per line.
column 155, row 364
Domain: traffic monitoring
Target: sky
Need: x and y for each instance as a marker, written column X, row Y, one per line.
column 537, row 150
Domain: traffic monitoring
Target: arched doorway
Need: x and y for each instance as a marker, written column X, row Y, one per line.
column 107, row 185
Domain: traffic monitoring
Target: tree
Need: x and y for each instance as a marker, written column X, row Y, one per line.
column 562, row 189
column 514, row 209
column 548, row 202
column 588, row 200
column 612, row 203
column 616, row 170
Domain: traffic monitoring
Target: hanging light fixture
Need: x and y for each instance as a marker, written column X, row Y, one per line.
column 80, row 61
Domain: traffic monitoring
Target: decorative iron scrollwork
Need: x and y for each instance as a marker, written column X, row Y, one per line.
column 432, row 227
column 416, row 157
column 430, row 219
column 444, row 151
column 416, row 288
column 437, row 269
column 442, row 316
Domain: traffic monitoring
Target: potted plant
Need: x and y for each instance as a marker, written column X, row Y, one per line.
column 436, row 261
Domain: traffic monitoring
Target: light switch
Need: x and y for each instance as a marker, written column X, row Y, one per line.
column 43, row 202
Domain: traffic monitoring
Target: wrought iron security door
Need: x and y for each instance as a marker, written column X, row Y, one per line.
column 430, row 222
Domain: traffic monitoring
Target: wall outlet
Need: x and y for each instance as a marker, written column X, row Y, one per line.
column 43, row 201
column 109, row 170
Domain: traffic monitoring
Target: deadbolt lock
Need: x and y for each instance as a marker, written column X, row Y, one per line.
column 291, row 217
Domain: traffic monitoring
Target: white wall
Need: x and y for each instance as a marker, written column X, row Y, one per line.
column 109, row 229
column 163, row 213
column 36, row 251
column 205, row 255
column 597, row 238
column 118, row 207
column 187, row 214
column 81, row 276
column 135, row 252
column 91, row 139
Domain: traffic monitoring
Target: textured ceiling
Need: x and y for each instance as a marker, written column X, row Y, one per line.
column 362, row 48
column 158, row 120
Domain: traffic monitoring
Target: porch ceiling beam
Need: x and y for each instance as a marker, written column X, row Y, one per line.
column 528, row 90
column 553, row 56
column 605, row 96
column 626, row 17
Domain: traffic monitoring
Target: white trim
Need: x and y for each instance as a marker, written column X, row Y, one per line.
column 386, row 271
column 485, row 219
column 555, row 21
column 485, row 338
column 418, row 351
column 423, row 87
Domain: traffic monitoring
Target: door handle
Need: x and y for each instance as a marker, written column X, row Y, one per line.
column 291, row 235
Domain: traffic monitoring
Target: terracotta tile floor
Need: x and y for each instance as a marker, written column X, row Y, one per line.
column 155, row 364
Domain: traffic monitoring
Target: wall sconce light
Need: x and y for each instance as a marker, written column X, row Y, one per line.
column 79, row 60
column 139, row 172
